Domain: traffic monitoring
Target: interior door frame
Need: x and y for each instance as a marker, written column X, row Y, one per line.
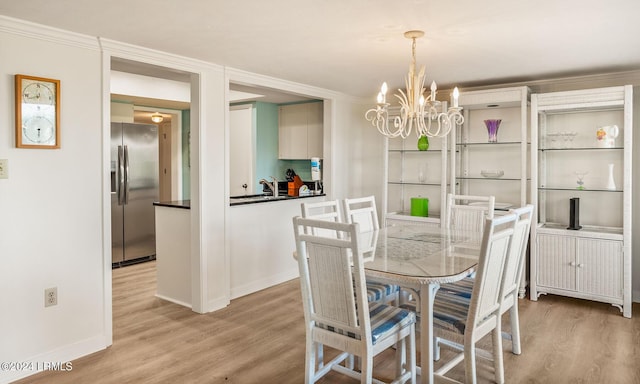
column 197, row 72
column 176, row 146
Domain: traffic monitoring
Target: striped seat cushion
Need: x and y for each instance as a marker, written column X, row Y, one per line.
column 385, row 320
column 450, row 308
column 377, row 291
column 450, row 311
column 462, row 287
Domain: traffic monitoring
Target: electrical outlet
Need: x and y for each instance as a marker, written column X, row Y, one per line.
column 4, row 169
column 51, row 296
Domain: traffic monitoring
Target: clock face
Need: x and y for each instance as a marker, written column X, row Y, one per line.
column 38, row 111
column 36, row 92
column 38, row 129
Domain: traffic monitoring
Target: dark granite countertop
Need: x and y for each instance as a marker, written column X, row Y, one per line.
column 184, row 204
column 255, row 199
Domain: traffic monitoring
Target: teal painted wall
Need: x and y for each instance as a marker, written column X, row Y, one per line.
column 266, row 142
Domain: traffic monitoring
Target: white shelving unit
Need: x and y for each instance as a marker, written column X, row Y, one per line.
column 413, row 173
column 593, row 262
column 509, row 155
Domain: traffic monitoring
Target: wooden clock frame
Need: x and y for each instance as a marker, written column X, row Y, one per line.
column 37, row 101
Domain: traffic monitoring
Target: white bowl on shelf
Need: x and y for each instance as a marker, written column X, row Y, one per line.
column 492, row 173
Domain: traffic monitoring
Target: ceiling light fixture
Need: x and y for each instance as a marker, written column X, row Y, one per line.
column 426, row 114
column 157, row 118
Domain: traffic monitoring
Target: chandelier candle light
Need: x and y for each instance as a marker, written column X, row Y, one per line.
column 415, row 110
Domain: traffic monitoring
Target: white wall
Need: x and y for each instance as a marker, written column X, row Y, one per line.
column 50, row 207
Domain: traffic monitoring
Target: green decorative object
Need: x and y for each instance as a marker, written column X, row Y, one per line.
column 420, row 206
column 423, row 143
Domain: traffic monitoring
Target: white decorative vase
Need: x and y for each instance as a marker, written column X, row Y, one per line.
column 611, row 184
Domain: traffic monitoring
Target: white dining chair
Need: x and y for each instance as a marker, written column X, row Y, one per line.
column 510, row 280
column 465, row 322
column 336, row 313
column 468, row 212
column 328, row 210
column 363, row 210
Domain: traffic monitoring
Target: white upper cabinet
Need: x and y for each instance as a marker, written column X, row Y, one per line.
column 300, row 131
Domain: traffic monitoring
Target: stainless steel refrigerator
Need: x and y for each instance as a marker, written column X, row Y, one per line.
column 134, row 188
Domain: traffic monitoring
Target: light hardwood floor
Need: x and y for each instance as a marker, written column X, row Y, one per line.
column 259, row 338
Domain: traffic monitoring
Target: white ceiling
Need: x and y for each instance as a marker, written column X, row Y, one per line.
column 352, row 46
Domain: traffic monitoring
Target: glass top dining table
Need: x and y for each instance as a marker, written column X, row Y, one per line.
column 421, row 258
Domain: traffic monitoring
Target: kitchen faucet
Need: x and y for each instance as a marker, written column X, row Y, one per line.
column 272, row 186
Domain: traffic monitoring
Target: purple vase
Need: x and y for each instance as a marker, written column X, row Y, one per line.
column 492, row 129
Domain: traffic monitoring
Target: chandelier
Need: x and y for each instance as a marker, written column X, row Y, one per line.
column 426, row 114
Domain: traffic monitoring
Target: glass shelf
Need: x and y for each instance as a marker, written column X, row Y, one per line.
column 487, row 143
column 415, row 150
column 414, row 183
column 580, row 149
column 488, row 178
column 579, row 190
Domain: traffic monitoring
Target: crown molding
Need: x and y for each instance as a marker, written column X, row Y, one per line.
column 46, row 33
column 155, row 57
column 570, row 83
column 242, row 77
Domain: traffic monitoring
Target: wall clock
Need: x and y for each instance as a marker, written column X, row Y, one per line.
column 37, row 112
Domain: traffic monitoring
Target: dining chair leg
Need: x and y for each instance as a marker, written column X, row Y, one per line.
column 498, row 363
column 367, row 369
column 412, row 355
column 515, row 329
column 470, row 365
column 310, row 362
column 319, row 355
column 436, row 349
column 401, row 356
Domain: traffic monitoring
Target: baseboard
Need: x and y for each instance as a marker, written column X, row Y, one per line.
column 184, row 304
column 61, row 355
column 261, row 284
column 216, row 304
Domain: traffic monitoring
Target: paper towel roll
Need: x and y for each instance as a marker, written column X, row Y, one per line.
column 315, row 169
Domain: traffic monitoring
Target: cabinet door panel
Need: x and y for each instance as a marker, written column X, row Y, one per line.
column 292, row 132
column 556, row 254
column 600, row 267
column 315, row 130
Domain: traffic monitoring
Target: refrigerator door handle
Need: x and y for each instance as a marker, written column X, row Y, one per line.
column 120, row 176
column 126, row 175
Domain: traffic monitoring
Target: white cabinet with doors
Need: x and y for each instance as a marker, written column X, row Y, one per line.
column 300, row 130
column 587, row 255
